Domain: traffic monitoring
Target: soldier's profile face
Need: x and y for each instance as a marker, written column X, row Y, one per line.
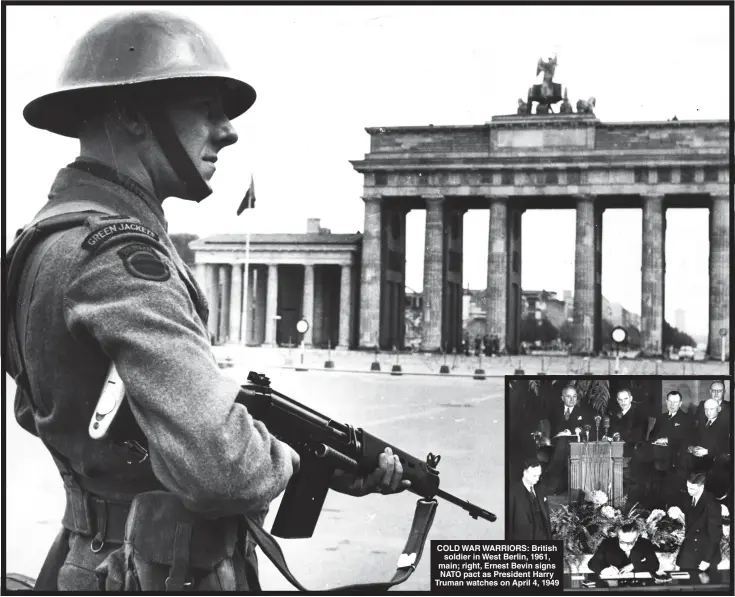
column 202, row 126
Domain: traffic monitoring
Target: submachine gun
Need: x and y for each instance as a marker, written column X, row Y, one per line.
column 324, row 446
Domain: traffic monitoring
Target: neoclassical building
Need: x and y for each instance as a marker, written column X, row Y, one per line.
column 352, row 287
column 289, row 277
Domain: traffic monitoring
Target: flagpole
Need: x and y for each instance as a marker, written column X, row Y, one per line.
column 248, row 301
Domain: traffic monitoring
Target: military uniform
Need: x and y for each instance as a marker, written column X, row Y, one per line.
column 103, row 295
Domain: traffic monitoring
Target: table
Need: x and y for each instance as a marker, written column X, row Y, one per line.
column 714, row 581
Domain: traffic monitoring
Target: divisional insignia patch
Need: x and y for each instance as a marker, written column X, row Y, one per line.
column 107, row 232
column 143, row 262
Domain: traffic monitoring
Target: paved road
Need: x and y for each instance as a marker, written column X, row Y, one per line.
column 356, row 540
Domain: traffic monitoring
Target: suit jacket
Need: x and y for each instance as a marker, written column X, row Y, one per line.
column 579, row 417
column 724, row 412
column 716, row 438
column 642, row 556
column 676, row 429
column 631, row 426
column 520, row 519
column 703, row 524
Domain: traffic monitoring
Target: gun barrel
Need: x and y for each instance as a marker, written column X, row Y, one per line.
column 473, row 510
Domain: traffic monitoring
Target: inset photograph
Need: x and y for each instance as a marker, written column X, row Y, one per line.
column 634, row 475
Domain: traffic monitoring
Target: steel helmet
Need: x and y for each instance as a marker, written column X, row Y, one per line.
column 130, row 49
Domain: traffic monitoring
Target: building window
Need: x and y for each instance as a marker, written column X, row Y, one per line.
column 710, row 174
column 552, row 177
column 506, row 177
column 381, row 179
column 486, row 178
column 641, row 175
column 664, row 174
column 573, row 176
column 687, row 174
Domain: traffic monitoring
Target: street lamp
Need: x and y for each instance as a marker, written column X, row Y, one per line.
column 619, row 334
column 302, row 326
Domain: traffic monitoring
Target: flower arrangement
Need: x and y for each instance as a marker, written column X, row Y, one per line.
column 583, row 526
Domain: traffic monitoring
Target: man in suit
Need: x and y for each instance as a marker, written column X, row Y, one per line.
column 658, row 462
column 628, row 552
column 702, row 517
column 716, row 392
column 629, row 424
column 528, row 508
column 710, row 449
column 564, row 419
column 710, row 441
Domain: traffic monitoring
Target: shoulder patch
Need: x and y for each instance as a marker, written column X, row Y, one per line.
column 143, row 262
column 112, row 227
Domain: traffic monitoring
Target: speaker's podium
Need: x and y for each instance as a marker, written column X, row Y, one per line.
column 596, row 466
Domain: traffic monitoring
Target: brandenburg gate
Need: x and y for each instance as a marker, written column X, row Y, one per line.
column 535, row 161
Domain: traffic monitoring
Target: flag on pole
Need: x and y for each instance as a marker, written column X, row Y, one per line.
column 249, row 200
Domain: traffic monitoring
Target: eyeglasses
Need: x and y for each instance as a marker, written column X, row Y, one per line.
column 627, row 542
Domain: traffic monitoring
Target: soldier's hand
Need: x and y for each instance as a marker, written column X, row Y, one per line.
column 386, row 478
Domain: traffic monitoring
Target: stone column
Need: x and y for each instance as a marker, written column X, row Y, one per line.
column 271, row 305
column 236, row 303
column 431, row 330
column 370, row 274
column 652, row 275
column 345, row 306
column 584, row 277
column 308, row 302
column 200, row 275
column 719, row 275
column 211, row 289
column 497, row 270
column 224, row 290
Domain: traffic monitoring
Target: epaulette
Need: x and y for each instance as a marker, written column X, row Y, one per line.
column 109, row 229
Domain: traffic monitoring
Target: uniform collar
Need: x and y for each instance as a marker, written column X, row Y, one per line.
column 119, row 192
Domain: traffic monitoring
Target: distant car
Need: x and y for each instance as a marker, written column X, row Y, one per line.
column 686, row 352
column 700, row 355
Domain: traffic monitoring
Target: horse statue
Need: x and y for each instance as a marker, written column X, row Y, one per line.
column 523, row 107
column 586, row 107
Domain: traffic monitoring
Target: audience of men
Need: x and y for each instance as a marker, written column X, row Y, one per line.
column 528, row 508
column 626, row 553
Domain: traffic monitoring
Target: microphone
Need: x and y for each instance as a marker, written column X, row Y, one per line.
column 587, row 432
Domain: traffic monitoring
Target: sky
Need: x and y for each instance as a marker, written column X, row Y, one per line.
column 323, row 74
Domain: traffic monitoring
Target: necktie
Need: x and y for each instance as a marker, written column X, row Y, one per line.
column 709, row 423
column 533, row 493
column 694, row 502
column 567, row 412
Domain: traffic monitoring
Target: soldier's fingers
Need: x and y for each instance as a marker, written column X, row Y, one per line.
column 388, row 466
column 397, row 473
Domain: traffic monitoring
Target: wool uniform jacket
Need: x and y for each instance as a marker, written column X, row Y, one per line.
column 520, row 519
column 642, row 556
column 131, row 300
column 703, row 532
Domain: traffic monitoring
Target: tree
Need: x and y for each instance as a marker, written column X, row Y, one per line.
column 676, row 338
column 181, row 242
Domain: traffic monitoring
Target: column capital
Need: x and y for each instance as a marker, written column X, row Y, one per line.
column 497, row 199
column 433, row 198
column 584, row 197
column 378, row 198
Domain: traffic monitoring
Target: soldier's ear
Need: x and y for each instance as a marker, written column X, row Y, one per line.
column 130, row 118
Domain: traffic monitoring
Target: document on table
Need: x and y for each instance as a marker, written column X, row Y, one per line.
column 628, row 576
